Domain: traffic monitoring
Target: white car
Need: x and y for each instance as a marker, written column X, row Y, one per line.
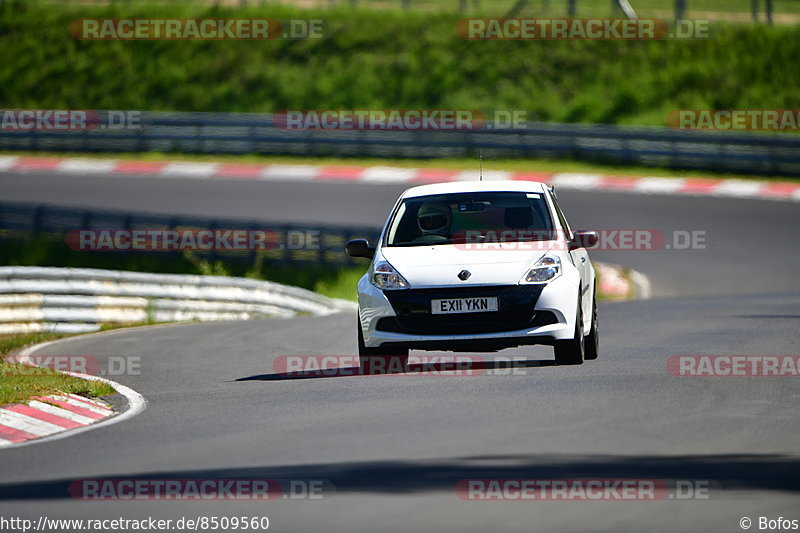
column 475, row 267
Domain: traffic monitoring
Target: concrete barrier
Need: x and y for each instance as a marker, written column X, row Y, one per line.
column 70, row 300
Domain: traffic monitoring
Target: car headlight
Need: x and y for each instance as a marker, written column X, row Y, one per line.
column 545, row 270
column 385, row 277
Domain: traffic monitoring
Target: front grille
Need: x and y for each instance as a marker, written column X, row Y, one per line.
column 515, row 311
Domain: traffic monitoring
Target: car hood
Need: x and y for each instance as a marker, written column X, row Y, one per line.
column 439, row 266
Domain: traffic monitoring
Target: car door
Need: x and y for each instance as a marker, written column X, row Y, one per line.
column 580, row 258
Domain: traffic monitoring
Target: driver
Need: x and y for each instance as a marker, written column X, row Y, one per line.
column 433, row 219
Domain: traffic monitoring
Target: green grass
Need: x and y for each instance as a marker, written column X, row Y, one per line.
column 10, row 343
column 585, row 8
column 379, row 59
column 19, row 382
column 343, row 285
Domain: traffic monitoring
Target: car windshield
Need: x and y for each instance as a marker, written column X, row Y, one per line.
column 470, row 217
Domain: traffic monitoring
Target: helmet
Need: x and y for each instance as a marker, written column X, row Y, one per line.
column 433, row 218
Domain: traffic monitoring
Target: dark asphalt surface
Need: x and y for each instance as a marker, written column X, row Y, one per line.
column 394, row 446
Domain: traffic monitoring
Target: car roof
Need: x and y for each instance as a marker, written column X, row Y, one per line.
column 475, row 186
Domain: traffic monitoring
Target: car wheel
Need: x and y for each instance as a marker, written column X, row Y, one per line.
column 571, row 352
column 592, row 342
column 380, row 360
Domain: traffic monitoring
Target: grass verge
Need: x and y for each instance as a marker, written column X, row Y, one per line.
column 385, row 60
column 18, row 382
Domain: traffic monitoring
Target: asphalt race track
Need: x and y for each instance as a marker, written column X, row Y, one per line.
column 395, row 446
column 738, row 232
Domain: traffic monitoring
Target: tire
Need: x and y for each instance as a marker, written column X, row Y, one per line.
column 380, row 360
column 592, row 341
column 571, row 352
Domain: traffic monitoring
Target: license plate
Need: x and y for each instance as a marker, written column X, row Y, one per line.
column 464, row 305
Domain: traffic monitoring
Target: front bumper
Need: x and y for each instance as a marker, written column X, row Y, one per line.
column 528, row 314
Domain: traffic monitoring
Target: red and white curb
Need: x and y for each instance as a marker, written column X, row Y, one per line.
column 48, row 415
column 40, row 422
column 382, row 175
column 616, row 285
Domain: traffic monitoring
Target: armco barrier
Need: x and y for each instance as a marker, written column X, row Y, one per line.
column 240, row 133
column 20, row 220
column 74, row 300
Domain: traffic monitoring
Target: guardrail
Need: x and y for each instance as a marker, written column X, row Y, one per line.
column 247, row 133
column 72, row 300
column 327, row 246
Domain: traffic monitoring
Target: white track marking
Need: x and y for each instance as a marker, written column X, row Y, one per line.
column 63, row 413
column 28, row 424
column 738, row 188
column 94, row 401
column 488, row 175
column 659, row 185
column 87, row 166
column 289, row 173
column 379, row 175
column 7, row 162
column 574, row 180
column 181, row 169
column 82, row 405
column 641, row 285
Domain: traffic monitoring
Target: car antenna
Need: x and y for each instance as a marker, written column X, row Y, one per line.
column 480, row 173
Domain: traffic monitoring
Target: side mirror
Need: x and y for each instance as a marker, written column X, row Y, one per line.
column 583, row 239
column 360, row 248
